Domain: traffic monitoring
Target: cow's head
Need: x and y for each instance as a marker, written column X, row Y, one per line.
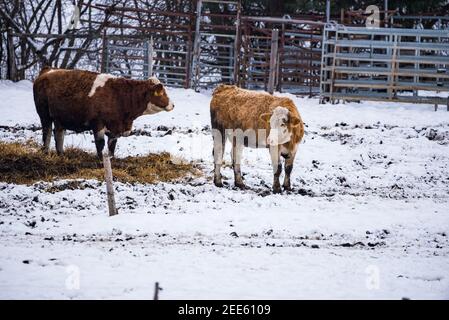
column 281, row 123
column 157, row 98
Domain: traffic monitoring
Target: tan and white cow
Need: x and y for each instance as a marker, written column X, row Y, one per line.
column 257, row 120
column 81, row 100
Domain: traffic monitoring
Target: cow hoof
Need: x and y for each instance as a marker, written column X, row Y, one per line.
column 277, row 190
column 218, row 184
column 241, row 186
column 288, row 188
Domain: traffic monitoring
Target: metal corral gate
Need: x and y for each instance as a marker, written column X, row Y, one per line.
column 215, row 44
column 215, row 49
column 281, row 54
column 232, row 48
column 144, row 46
column 403, row 65
column 141, row 58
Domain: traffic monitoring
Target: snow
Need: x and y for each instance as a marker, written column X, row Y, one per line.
column 368, row 217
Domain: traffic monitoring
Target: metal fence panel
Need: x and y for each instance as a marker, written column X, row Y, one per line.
column 404, row 65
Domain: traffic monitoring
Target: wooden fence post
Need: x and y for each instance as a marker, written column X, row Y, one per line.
column 237, row 45
column 109, row 187
column 150, row 57
column 273, row 60
column 104, row 53
column 156, row 291
column 196, row 46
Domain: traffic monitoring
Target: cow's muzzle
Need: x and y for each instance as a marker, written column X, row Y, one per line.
column 170, row 107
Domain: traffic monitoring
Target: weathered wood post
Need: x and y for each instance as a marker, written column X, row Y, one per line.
column 188, row 83
column 156, row 291
column 146, row 50
column 109, row 187
column 273, row 60
column 237, row 45
column 104, row 53
column 150, row 57
column 196, row 46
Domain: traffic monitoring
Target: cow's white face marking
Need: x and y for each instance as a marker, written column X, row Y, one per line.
column 154, row 80
column 170, row 106
column 279, row 133
column 152, row 108
column 99, row 82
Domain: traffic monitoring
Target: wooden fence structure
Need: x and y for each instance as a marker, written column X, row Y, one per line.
column 212, row 42
column 282, row 55
column 146, row 46
column 203, row 48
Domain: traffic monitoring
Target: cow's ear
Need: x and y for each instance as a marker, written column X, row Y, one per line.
column 265, row 117
column 294, row 121
column 157, row 89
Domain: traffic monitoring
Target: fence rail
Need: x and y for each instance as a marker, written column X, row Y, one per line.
column 206, row 44
column 404, row 65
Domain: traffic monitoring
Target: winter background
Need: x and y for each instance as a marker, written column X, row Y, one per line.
column 368, row 217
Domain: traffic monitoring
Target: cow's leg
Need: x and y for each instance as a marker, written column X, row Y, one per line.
column 46, row 121
column 218, row 151
column 237, row 150
column 46, row 135
column 289, row 160
column 99, row 142
column 59, row 133
column 112, row 143
column 277, row 167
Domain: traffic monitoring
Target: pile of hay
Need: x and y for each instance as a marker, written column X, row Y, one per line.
column 25, row 163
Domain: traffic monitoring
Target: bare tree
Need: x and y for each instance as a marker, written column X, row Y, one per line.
column 41, row 33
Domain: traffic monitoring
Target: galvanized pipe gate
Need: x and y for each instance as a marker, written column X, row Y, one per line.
column 385, row 64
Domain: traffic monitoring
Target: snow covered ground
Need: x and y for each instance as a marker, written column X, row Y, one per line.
column 368, row 217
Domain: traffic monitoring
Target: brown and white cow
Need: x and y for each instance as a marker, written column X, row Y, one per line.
column 256, row 120
column 81, row 100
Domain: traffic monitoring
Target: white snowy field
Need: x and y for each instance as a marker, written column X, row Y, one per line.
column 368, row 217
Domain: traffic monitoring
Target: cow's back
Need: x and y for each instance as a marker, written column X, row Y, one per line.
column 64, row 95
column 237, row 108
